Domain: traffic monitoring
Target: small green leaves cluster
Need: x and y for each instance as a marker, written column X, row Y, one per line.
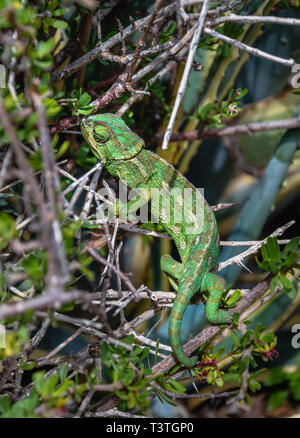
column 235, row 375
column 168, row 32
column 14, row 339
column 215, row 114
column 35, row 159
column 262, row 344
column 280, row 263
column 232, row 299
column 169, row 384
column 257, row 343
column 284, row 385
column 33, row 52
column 51, row 395
column 158, row 90
column 128, row 368
column 78, row 102
column 54, row 16
column 229, row 301
column 23, row 408
column 34, row 263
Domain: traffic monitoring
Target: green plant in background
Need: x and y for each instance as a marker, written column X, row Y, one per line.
column 215, row 115
column 284, row 385
column 280, row 263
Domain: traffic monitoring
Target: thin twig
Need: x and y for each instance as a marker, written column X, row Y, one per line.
column 187, row 69
column 242, row 46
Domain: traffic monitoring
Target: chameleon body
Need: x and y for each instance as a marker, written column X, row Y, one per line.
column 122, row 153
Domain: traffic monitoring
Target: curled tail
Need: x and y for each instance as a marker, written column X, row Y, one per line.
column 181, row 301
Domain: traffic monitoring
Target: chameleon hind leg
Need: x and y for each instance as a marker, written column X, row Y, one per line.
column 215, row 286
column 172, row 268
column 174, row 271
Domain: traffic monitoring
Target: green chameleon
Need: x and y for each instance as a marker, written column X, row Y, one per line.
column 122, row 153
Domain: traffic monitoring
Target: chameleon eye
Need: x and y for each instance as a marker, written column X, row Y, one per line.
column 101, row 134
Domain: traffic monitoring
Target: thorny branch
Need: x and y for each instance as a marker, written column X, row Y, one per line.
column 128, row 81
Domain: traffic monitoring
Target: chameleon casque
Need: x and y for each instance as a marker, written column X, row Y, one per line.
column 122, row 153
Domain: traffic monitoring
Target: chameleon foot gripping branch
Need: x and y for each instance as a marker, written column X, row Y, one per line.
column 122, row 153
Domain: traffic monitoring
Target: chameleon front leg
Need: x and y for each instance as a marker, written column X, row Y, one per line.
column 172, row 268
column 215, row 286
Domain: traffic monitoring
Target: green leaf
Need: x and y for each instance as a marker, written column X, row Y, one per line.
column 292, row 293
column 234, row 298
column 85, row 110
column 268, row 338
column 63, row 371
column 242, row 93
column 277, row 398
column 83, row 101
column 144, row 353
column 235, row 338
column 163, row 396
column 62, row 389
column 27, row 366
column 4, row 404
column 203, row 111
column 254, row 385
column 45, row 386
column 52, row 5
column 292, row 246
column 128, row 340
column 176, row 385
column 58, row 12
column 62, row 149
column 273, row 248
column 58, row 24
column 43, row 48
column 43, row 64
column 235, row 318
column 287, row 283
column 219, row 353
column 275, row 377
column 34, row 265
column 248, row 399
column 243, row 364
column 38, row 379
column 275, row 283
column 231, row 377
column 232, row 30
column 49, row 384
column 7, row 229
column 226, row 50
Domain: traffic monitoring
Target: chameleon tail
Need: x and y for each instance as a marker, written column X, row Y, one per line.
column 181, row 301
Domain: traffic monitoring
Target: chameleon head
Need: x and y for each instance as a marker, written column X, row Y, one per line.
column 110, row 138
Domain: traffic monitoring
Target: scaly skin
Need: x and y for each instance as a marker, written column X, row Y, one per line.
column 121, row 152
